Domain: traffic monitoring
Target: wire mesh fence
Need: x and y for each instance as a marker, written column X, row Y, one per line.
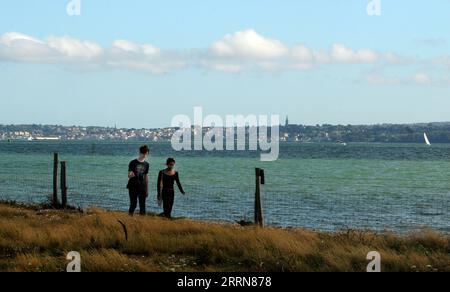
column 317, row 199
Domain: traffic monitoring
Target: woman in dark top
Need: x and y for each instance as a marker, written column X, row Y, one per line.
column 166, row 192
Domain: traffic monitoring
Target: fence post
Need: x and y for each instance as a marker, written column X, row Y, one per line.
column 55, row 179
column 63, row 185
column 258, row 205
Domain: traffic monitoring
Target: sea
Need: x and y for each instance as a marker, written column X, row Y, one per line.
column 398, row 188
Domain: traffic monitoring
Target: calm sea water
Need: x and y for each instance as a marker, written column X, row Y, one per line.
column 329, row 187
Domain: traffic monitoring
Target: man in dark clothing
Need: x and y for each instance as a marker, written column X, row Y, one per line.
column 138, row 170
column 166, row 192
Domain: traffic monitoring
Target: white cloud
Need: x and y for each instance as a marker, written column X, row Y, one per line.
column 67, row 50
column 143, row 57
column 248, row 44
column 237, row 52
column 322, row 57
column 366, row 56
column 222, row 66
column 341, row 53
column 394, row 58
column 302, row 54
column 421, row 78
column 253, row 51
column 152, row 67
column 10, row 38
column 241, row 51
column 129, row 47
column 19, row 47
column 73, row 48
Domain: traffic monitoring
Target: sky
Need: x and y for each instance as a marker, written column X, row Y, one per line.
column 139, row 63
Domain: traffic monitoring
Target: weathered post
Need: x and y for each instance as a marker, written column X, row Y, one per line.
column 259, row 220
column 63, row 185
column 55, row 180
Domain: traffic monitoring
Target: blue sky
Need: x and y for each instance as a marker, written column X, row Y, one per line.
column 138, row 63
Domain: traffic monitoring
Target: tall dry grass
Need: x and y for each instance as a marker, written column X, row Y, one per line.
column 38, row 241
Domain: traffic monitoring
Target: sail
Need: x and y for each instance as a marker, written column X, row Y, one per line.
column 427, row 141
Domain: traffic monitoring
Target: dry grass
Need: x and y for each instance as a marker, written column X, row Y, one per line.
column 38, row 240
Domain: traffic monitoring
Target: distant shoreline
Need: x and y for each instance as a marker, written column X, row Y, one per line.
column 168, row 142
column 381, row 133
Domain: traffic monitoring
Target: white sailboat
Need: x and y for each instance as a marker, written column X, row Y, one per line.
column 427, row 141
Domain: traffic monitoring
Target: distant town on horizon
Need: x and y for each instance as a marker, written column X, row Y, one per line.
column 439, row 132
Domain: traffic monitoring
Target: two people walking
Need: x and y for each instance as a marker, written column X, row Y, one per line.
column 138, row 184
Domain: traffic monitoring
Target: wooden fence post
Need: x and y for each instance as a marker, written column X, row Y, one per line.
column 259, row 220
column 63, row 185
column 55, row 180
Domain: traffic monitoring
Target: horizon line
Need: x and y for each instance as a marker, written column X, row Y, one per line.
column 281, row 125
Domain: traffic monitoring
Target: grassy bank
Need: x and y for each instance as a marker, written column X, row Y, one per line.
column 35, row 239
